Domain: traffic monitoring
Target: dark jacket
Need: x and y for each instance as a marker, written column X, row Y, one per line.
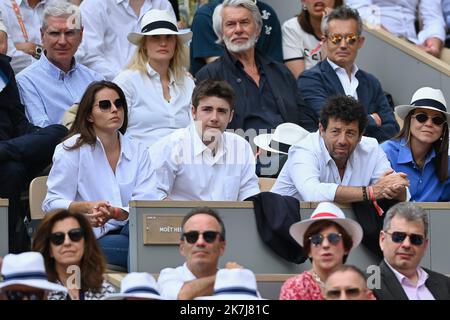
column 274, row 216
column 289, row 102
column 391, row 289
column 321, row 82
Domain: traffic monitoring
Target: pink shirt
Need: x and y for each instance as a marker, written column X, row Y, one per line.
column 301, row 287
column 414, row 292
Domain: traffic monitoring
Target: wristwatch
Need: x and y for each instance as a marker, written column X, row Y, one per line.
column 38, row 51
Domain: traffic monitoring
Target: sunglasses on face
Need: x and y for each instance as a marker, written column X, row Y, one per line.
column 192, row 236
column 58, row 238
column 423, row 117
column 25, row 295
column 349, row 293
column 349, row 38
column 399, row 237
column 333, row 238
column 105, row 105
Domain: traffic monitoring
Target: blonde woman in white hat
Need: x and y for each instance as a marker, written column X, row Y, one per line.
column 327, row 238
column 156, row 85
column 421, row 148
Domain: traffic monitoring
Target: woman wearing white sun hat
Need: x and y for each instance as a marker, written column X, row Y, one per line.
column 421, row 148
column 327, row 238
column 156, row 84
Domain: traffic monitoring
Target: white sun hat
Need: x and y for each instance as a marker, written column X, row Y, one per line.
column 27, row 269
column 328, row 211
column 158, row 22
column 284, row 136
column 137, row 285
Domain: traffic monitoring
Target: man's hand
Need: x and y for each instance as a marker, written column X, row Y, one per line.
column 432, row 46
column 27, row 47
column 233, row 265
column 390, row 185
column 376, row 118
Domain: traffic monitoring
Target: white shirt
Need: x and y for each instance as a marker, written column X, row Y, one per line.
column 171, row 280
column 310, row 174
column 186, row 169
column 298, row 44
column 84, row 174
column 150, row 116
column 105, row 47
column 350, row 85
column 398, row 16
column 32, row 19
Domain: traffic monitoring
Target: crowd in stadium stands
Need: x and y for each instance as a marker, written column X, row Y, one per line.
column 151, row 124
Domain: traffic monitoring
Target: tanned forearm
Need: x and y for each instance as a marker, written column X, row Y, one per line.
column 196, row 288
column 345, row 194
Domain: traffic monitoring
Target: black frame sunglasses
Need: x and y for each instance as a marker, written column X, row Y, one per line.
column 333, row 238
column 20, row 295
column 106, row 105
column 58, row 238
column 349, row 292
column 192, row 236
column 399, row 237
column 423, row 117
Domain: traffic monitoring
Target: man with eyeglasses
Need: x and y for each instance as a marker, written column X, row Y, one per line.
column 347, row 283
column 404, row 241
column 339, row 75
column 202, row 243
column 56, row 81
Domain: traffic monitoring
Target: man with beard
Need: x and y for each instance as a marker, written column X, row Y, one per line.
column 404, row 241
column 202, row 243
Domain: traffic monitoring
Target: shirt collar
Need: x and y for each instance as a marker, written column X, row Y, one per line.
column 336, row 68
column 405, row 155
column 422, row 276
column 153, row 74
column 125, row 148
column 53, row 70
column 200, row 147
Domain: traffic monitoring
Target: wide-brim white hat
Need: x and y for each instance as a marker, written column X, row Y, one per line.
column 328, row 211
column 284, row 136
column 27, row 269
column 158, row 22
column 137, row 285
column 425, row 98
column 234, row 284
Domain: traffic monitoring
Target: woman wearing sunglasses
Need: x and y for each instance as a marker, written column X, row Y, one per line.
column 97, row 170
column 421, row 148
column 156, row 84
column 72, row 256
column 301, row 35
column 327, row 238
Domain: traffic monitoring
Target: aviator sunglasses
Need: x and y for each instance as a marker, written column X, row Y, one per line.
column 349, row 38
column 192, row 236
column 57, row 238
column 332, row 237
column 105, row 105
column 423, row 117
column 399, row 237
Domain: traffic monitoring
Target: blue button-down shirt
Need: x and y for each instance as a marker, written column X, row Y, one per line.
column 424, row 183
column 47, row 91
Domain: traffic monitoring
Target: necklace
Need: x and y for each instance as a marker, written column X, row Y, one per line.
column 317, row 279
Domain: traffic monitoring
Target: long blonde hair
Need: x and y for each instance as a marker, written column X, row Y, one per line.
column 178, row 64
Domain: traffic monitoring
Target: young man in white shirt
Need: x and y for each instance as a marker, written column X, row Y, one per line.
column 202, row 162
column 337, row 163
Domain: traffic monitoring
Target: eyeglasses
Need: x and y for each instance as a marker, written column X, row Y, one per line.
column 192, row 236
column 332, row 237
column 25, row 295
column 399, row 237
column 349, row 38
column 105, row 105
column 57, row 238
column 349, row 293
column 423, row 117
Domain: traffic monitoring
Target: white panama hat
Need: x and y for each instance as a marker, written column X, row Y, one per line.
column 137, row 285
column 284, row 136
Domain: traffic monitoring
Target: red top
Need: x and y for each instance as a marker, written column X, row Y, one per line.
column 301, row 287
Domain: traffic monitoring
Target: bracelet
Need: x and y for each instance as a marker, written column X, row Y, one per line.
column 374, row 201
column 364, row 191
column 116, row 213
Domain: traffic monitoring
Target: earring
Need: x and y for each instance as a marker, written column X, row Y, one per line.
column 304, row 7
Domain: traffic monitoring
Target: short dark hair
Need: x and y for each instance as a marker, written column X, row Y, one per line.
column 207, row 211
column 213, row 88
column 349, row 267
column 344, row 108
column 342, row 13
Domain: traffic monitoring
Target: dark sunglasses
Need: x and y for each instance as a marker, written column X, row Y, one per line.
column 25, row 295
column 332, row 237
column 349, row 38
column 349, row 293
column 105, row 105
column 399, row 237
column 423, row 117
column 58, row 238
column 192, row 236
